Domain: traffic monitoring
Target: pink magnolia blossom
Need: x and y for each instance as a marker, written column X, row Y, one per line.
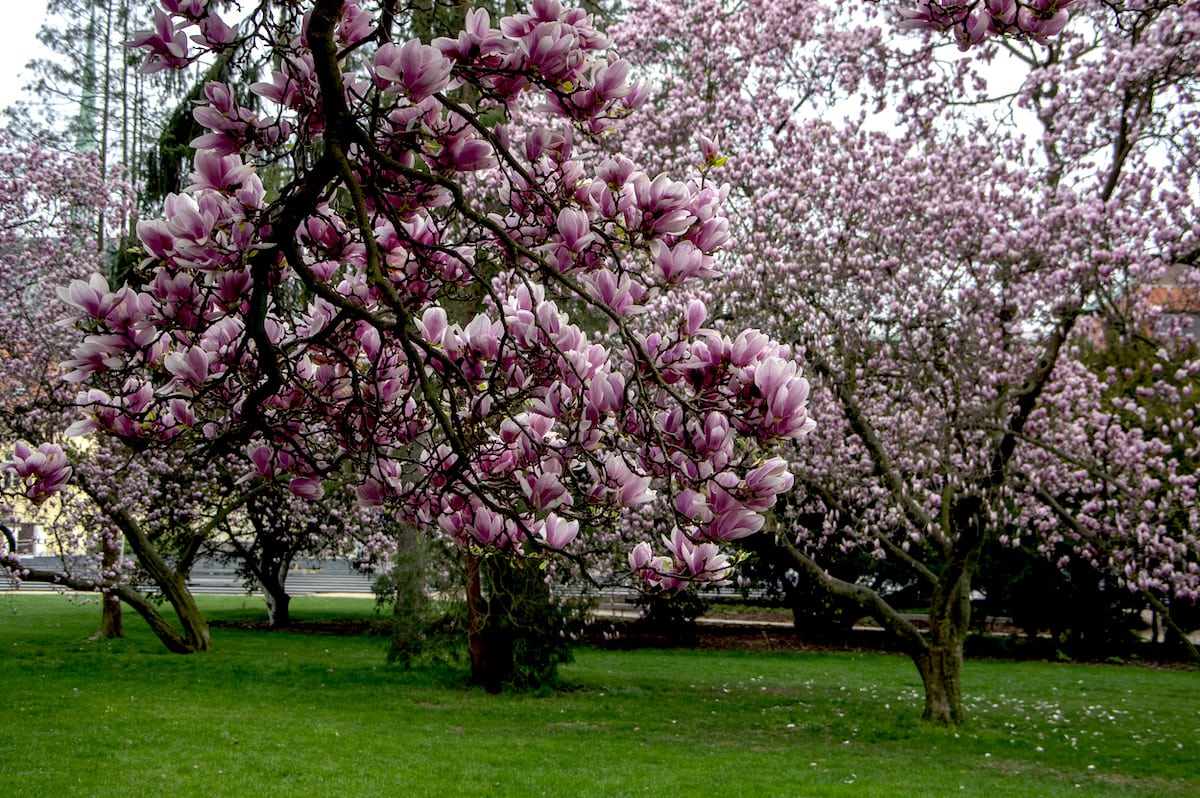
column 192, row 366
column 418, row 70
column 166, row 44
column 45, row 470
column 421, row 345
column 972, row 22
column 355, row 24
column 92, row 297
column 307, row 488
column 478, row 41
column 214, row 32
column 929, row 274
column 557, row 533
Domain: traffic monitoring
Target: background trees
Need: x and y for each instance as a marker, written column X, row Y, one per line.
column 943, row 237
column 87, row 95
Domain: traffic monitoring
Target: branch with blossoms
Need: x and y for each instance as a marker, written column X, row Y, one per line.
column 972, row 22
column 399, row 317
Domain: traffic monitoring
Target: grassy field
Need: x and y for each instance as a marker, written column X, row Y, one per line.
column 283, row 714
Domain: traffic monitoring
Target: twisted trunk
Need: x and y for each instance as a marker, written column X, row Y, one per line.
column 279, row 602
column 194, row 636
column 937, row 654
column 940, row 666
column 268, row 564
column 173, row 584
column 192, row 639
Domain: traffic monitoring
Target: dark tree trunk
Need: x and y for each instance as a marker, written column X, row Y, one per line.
column 941, row 662
column 110, row 605
column 491, row 635
column 483, row 667
column 940, row 667
column 938, row 655
column 192, row 639
column 278, row 604
column 191, row 619
column 173, row 584
column 272, row 574
column 268, row 559
column 111, row 625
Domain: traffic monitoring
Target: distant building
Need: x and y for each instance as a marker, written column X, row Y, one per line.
column 1177, row 301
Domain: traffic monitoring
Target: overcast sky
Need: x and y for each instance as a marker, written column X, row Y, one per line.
column 18, row 44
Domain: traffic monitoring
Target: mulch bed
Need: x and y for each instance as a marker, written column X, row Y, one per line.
column 349, row 628
column 626, row 635
column 612, row 635
column 718, row 637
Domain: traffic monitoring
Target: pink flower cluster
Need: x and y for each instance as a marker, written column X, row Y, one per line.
column 972, row 22
column 928, row 269
column 688, row 563
column 167, row 44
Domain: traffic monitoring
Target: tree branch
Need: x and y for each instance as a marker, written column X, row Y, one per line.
column 1027, row 401
column 867, row 600
column 831, row 501
column 881, row 462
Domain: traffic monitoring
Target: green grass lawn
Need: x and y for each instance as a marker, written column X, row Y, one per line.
column 284, row 714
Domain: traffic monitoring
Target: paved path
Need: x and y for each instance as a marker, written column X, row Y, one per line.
column 215, row 578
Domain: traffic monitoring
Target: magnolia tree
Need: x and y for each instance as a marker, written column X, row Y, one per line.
column 275, row 527
column 397, row 318
column 49, row 207
column 164, row 510
column 946, row 239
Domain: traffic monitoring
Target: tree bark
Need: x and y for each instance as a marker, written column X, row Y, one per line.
column 267, row 560
column 195, row 635
column 193, row 639
column 271, row 570
column 278, row 605
column 111, row 624
column 940, row 667
column 173, row 585
column 941, row 664
column 110, row 612
column 482, row 667
column 410, row 607
column 175, row 641
column 489, row 644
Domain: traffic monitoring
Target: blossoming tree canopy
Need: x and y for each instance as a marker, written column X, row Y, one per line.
column 399, row 315
column 945, row 272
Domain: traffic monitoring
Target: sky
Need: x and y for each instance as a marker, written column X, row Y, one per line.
column 18, row 44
